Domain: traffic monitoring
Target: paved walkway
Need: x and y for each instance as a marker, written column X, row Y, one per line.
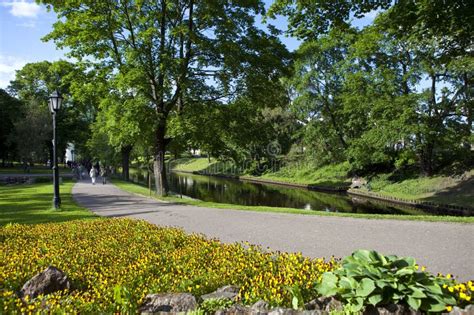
column 442, row 247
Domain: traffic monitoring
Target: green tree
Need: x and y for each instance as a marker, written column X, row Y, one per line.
column 165, row 50
column 11, row 111
column 36, row 81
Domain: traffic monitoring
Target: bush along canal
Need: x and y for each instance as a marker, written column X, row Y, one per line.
column 247, row 193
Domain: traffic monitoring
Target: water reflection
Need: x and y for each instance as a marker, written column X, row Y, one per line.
column 223, row 190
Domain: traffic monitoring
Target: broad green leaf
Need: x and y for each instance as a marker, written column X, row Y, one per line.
column 366, row 287
column 438, row 307
column 417, row 293
column 375, row 299
column 405, row 271
column 414, row 303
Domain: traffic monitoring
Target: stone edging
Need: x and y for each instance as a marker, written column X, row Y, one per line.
column 457, row 210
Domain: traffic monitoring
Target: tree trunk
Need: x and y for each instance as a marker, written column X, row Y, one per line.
column 427, row 159
column 159, row 170
column 126, row 162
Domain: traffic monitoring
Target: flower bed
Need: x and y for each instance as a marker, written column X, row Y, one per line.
column 114, row 263
column 103, row 257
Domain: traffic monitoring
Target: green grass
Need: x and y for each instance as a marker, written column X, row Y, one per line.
column 438, row 189
column 294, row 173
column 33, row 204
column 203, row 165
column 141, row 190
column 306, row 173
column 33, row 170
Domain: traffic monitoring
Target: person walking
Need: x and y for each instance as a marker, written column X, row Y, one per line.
column 93, row 175
column 103, row 174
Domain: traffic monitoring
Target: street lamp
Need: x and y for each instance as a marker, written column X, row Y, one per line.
column 55, row 101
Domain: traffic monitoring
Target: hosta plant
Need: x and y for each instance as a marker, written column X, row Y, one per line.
column 369, row 278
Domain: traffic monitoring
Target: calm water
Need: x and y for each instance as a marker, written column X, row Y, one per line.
column 223, row 190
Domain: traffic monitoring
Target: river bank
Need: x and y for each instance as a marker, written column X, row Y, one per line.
column 440, row 190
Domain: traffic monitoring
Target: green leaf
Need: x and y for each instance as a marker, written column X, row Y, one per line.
column 362, row 254
column 438, row 307
column 405, row 271
column 417, row 293
column 366, row 287
column 375, row 299
column 294, row 303
column 328, row 285
column 414, row 303
column 434, row 288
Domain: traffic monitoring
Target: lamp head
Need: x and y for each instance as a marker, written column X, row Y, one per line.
column 55, row 101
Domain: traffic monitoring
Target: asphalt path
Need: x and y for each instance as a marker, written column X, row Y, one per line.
column 442, row 247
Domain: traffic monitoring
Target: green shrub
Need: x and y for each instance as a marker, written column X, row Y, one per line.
column 210, row 306
column 369, row 278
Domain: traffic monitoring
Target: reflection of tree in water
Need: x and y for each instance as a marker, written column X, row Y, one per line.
column 223, row 190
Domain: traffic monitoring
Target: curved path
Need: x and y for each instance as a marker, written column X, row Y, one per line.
column 442, row 247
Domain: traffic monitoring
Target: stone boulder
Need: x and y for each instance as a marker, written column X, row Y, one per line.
column 391, row 309
column 229, row 292
column 358, row 182
column 469, row 310
column 49, row 281
column 261, row 306
column 289, row 311
column 168, row 302
column 238, row 309
column 326, row 304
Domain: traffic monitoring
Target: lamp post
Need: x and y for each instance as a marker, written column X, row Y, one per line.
column 55, row 101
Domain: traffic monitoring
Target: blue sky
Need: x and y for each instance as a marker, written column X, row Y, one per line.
column 23, row 23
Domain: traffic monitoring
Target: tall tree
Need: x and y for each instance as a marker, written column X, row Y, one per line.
column 163, row 50
column 11, row 111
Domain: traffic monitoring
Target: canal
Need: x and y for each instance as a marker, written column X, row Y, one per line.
column 233, row 191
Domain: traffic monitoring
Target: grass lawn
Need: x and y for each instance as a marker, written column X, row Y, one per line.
column 19, row 170
column 33, row 204
column 204, row 165
column 438, row 189
column 141, row 190
column 305, row 173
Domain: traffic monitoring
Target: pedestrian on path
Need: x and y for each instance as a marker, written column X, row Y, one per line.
column 103, row 174
column 93, row 175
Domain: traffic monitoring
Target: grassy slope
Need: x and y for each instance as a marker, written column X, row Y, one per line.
column 438, row 189
column 33, row 204
column 141, row 190
column 330, row 175
column 203, row 165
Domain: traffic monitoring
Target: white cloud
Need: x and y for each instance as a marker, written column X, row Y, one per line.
column 8, row 65
column 22, row 8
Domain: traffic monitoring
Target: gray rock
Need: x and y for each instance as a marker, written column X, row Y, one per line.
column 282, row 311
column 469, row 310
column 229, row 292
column 46, row 282
column 358, row 182
column 326, row 304
column 289, row 311
column 238, row 309
column 391, row 309
column 261, row 306
column 168, row 302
